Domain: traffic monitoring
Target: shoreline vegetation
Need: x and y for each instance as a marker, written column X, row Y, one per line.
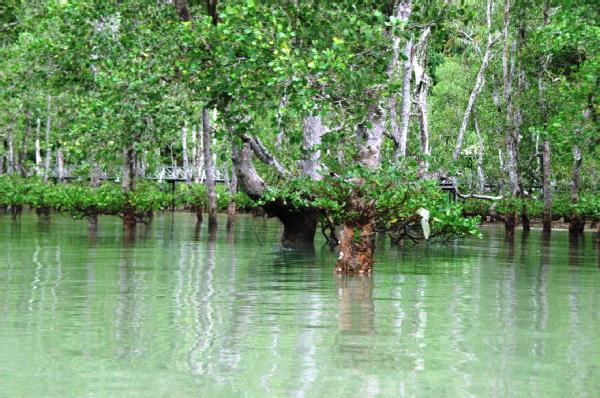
column 352, row 118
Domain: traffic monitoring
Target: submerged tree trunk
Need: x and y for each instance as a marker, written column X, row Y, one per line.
column 209, row 170
column 231, row 209
column 299, row 225
column 510, row 222
column 357, row 248
column 547, row 216
column 94, row 183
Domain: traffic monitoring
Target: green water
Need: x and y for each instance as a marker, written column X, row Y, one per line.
column 173, row 315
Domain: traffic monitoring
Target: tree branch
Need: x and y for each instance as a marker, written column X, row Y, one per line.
column 264, row 155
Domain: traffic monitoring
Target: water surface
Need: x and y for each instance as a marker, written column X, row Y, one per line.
column 172, row 314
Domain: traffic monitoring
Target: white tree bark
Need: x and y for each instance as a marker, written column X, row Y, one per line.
column 313, row 130
column 184, row 151
column 10, row 158
column 406, row 99
column 370, row 139
column 479, row 82
column 48, row 156
column 60, row 165
column 38, row 148
column 199, row 157
column 422, row 82
column 480, row 174
column 508, row 67
column 403, row 11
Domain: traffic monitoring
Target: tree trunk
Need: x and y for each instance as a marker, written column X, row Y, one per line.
column 510, row 222
column 508, row 66
column 357, row 248
column 547, row 217
column 370, row 139
column 525, row 218
column 38, row 148
column 60, row 165
column 231, row 209
column 184, row 154
column 576, row 223
column 182, row 10
column 194, row 153
column 423, row 125
column 199, row 156
column 128, row 185
column 11, row 153
column 48, row 156
column 403, row 11
column 94, row 183
column 209, row 169
column 479, row 82
column 299, row 225
column 312, row 133
column 406, row 99
column 480, row 174
column 422, row 82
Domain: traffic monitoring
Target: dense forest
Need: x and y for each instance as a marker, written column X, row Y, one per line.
column 354, row 114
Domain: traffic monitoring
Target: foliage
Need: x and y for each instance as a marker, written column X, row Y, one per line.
column 389, row 198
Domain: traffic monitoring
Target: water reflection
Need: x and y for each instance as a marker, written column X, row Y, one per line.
column 174, row 313
column 356, row 310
